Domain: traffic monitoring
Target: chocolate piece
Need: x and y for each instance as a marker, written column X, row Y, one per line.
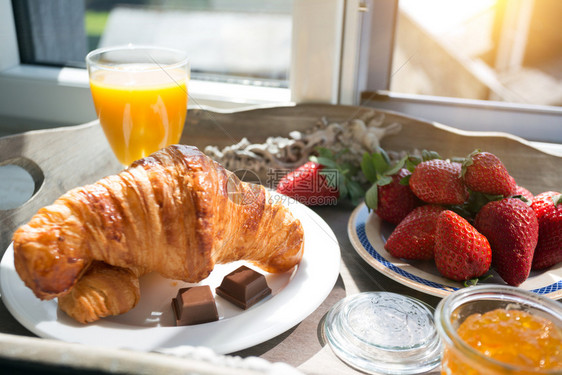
column 244, row 287
column 194, row 305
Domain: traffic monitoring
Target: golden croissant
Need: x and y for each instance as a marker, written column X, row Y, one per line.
column 175, row 212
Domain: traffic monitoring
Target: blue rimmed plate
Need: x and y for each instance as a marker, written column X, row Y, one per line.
column 368, row 235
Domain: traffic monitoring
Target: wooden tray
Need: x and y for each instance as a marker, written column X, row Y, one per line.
column 63, row 158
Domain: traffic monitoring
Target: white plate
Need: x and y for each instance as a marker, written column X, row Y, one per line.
column 368, row 235
column 150, row 325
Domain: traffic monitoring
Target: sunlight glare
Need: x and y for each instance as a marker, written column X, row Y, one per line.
column 440, row 16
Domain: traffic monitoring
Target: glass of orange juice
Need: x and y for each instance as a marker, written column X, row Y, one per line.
column 140, row 96
column 499, row 330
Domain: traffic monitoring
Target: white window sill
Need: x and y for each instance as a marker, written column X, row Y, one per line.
column 62, row 95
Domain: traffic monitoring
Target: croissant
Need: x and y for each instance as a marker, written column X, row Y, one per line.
column 175, row 212
column 102, row 291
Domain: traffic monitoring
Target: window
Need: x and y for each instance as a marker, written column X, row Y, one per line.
column 36, row 85
column 509, row 51
column 473, row 64
column 351, row 52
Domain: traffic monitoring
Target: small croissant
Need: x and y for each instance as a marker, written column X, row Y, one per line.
column 175, row 212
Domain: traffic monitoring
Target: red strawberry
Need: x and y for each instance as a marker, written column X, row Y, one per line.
column 548, row 208
column 395, row 200
column 307, row 185
column 484, row 172
column 438, row 181
column 461, row 253
column 512, row 228
column 414, row 237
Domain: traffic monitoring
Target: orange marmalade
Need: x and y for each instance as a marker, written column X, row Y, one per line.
column 513, row 337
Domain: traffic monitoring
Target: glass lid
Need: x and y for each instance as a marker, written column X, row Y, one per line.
column 381, row 332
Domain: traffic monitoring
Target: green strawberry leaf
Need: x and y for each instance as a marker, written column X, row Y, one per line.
column 396, row 167
column 457, row 159
column 339, row 154
column 379, row 163
column 405, row 181
column 372, row 197
column 343, row 188
column 325, row 152
column 477, row 200
column 430, row 155
column 493, row 197
column 384, row 155
column 557, row 199
column 476, row 280
column 355, row 191
column 368, row 168
column 467, row 162
column 412, row 162
column 384, row 180
column 522, row 198
column 325, row 162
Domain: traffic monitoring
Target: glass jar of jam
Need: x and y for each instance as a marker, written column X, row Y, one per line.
column 493, row 330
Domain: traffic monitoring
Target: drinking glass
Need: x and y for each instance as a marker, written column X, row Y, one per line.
column 140, row 96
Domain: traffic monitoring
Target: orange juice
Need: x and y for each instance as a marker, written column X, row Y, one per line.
column 141, row 108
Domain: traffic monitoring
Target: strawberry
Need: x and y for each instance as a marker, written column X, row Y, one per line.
column 484, row 172
column 308, row 186
column 414, row 237
column 438, row 181
column 548, row 208
column 395, row 200
column 391, row 199
column 512, row 228
column 461, row 252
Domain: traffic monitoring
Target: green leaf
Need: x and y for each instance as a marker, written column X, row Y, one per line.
column 325, row 152
column 338, row 154
column 493, row 197
column 327, row 162
column 457, row 159
column 372, row 197
column 477, row 280
column 405, row 181
column 368, row 168
column 412, row 162
column 396, row 167
column 384, row 180
column 355, row 191
column 384, row 155
column 476, row 151
column 430, row 155
column 379, row 163
column 477, row 200
column 343, row 189
column 521, row 198
column 557, row 199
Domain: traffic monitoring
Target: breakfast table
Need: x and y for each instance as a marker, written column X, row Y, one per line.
column 62, row 158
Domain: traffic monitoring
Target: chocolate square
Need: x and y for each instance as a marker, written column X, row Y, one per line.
column 244, row 287
column 194, row 305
